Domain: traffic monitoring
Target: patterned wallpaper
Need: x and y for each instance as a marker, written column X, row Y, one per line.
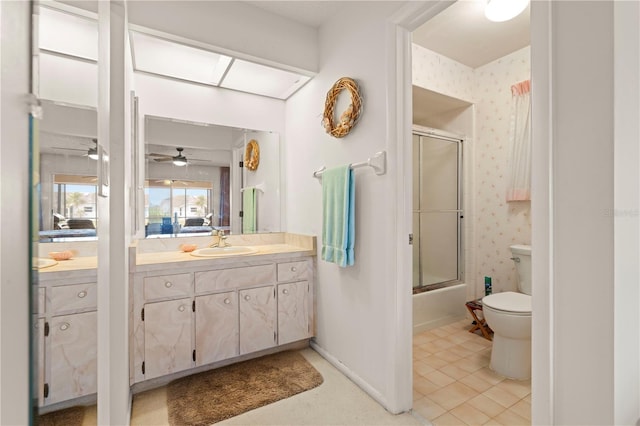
column 441, row 74
column 497, row 224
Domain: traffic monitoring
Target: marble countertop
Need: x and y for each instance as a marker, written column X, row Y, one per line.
column 270, row 247
column 164, row 259
column 73, row 264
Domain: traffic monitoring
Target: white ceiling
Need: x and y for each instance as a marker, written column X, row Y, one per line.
column 461, row 32
column 311, row 13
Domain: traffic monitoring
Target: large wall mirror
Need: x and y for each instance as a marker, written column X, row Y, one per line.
column 195, row 183
column 67, row 83
column 68, row 172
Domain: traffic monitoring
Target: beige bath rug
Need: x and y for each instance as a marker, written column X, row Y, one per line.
column 68, row 417
column 215, row 395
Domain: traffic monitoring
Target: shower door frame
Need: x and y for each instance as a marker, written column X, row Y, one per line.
column 449, row 137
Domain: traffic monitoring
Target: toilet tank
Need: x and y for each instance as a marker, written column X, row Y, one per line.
column 523, row 266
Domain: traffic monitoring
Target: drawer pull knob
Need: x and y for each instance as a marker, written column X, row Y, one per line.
column 64, row 326
column 181, row 308
column 285, row 291
column 293, row 269
column 82, row 294
column 247, row 297
column 168, row 284
column 227, row 301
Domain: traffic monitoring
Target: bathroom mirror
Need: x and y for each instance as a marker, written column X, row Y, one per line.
column 68, row 172
column 194, row 181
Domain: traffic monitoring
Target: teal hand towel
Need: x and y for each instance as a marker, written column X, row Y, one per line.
column 249, row 211
column 338, row 216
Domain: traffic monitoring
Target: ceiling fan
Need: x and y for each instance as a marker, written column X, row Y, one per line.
column 178, row 160
column 91, row 152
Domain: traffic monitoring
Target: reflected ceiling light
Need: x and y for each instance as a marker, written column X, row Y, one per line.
column 93, row 152
column 180, row 160
column 503, row 10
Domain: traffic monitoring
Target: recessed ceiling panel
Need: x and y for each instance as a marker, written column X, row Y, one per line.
column 262, row 80
column 159, row 56
column 67, row 33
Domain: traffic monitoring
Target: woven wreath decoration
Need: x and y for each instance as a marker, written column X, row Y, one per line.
column 252, row 155
column 350, row 116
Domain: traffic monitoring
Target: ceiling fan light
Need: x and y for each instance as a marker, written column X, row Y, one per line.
column 503, row 10
column 180, row 161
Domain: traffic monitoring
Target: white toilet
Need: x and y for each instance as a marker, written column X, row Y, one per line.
column 509, row 316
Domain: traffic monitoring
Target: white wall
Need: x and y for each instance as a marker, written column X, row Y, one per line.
column 588, row 377
column 15, row 276
column 192, row 102
column 626, row 213
column 356, row 313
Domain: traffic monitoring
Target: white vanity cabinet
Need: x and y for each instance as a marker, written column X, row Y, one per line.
column 211, row 312
column 216, row 327
column 72, row 356
column 167, row 337
column 294, row 298
column 67, row 339
column 257, row 319
column 293, row 312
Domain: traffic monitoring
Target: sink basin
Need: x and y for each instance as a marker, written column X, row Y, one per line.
column 40, row 263
column 223, row 251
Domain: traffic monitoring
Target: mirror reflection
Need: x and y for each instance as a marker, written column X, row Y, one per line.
column 194, row 179
column 68, row 172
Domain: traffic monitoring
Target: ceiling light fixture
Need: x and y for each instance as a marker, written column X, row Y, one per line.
column 503, row 10
column 180, row 160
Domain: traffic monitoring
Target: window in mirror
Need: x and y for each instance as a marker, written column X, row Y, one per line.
column 182, row 207
column 74, row 211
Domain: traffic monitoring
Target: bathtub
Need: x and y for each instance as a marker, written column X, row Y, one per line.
column 436, row 308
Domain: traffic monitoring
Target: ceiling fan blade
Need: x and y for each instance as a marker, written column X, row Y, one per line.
column 163, row 159
column 67, row 149
column 153, row 154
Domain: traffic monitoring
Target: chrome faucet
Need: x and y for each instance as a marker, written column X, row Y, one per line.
column 222, row 239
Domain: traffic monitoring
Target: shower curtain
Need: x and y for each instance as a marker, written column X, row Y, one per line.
column 519, row 183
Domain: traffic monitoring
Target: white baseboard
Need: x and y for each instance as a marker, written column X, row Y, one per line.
column 372, row 392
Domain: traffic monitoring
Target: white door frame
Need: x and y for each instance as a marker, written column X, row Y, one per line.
column 399, row 72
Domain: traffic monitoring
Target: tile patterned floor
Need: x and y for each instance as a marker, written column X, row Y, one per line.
column 453, row 385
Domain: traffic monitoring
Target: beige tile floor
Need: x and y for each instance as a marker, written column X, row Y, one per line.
column 453, row 385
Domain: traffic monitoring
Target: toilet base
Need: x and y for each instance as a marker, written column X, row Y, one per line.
column 511, row 357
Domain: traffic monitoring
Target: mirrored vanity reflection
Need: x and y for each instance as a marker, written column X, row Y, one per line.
column 195, row 179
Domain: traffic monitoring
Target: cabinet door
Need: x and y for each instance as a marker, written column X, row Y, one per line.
column 216, row 327
column 293, row 314
column 167, row 337
column 72, row 358
column 257, row 319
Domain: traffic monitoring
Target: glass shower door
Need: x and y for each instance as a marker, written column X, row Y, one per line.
column 437, row 210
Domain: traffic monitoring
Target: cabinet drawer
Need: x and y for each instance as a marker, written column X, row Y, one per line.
column 235, row 277
column 291, row 271
column 167, row 286
column 72, row 297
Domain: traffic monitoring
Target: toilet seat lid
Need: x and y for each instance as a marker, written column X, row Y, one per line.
column 508, row 301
